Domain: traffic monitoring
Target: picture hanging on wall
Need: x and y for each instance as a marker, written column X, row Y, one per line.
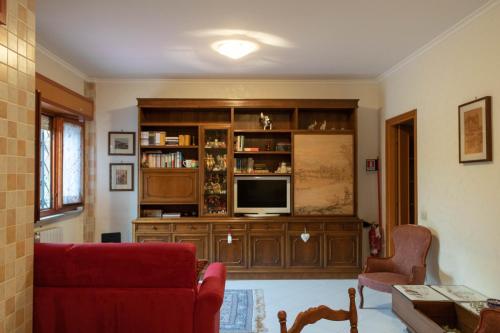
column 474, row 125
column 121, row 176
column 121, row 143
column 3, row 12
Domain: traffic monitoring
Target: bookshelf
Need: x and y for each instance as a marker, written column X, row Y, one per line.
column 208, row 142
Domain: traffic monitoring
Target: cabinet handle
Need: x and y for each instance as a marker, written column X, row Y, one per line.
column 192, row 227
column 155, row 227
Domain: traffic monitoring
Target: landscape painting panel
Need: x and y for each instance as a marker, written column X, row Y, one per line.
column 324, row 180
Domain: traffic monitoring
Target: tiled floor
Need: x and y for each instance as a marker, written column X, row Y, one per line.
column 294, row 296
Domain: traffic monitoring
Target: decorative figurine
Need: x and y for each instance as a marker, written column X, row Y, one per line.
column 265, row 122
column 312, row 126
column 323, row 125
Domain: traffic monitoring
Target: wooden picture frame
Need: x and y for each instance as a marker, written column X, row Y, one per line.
column 323, row 186
column 3, row 12
column 121, row 176
column 474, row 131
column 121, row 143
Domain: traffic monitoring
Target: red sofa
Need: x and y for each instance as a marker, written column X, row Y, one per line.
column 124, row 288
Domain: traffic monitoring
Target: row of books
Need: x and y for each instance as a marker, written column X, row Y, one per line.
column 160, row 138
column 239, row 143
column 161, row 160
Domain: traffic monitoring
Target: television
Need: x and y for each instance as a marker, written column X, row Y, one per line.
column 261, row 195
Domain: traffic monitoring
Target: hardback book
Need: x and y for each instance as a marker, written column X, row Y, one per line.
column 251, row 149
column 420, row 293
column 460, row 293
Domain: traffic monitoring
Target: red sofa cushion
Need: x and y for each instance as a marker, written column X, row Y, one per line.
column 152, row 265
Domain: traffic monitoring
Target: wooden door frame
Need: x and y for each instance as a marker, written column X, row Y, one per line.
column 390, row 173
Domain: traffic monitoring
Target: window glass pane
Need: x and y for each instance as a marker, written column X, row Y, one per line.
column 45, row 162
column 72, row 163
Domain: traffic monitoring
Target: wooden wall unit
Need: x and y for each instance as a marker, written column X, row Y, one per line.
column 267, row 247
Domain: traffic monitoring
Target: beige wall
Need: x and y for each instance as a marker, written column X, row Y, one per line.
column 58, row 70
column 116, row 110
column 459, row 202
column 55, row 69
column 17, row 132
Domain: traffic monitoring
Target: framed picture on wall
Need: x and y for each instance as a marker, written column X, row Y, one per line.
column 121, row 143
column 3, row 12
column 121, row 176
column 474, row 127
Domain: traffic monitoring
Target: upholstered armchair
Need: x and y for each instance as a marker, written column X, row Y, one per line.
column 407, row 266
column 489, row 321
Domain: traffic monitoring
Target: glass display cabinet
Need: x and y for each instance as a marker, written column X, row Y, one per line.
column 215, row 151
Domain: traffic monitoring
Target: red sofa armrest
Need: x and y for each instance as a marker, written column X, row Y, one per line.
column 375, row 264
column 209, row 300
column 417, row 275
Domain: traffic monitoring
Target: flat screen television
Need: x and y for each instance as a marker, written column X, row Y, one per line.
column 262, row 195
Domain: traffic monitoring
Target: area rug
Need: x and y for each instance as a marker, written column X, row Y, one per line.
column 243, row 311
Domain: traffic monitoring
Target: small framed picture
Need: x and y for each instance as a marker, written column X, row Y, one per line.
column 474, row 127
column 121, row 176
column 121, row 143
column 3, row 12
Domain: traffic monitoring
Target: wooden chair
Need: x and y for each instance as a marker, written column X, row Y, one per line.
column 312, row 315
column 489, row 321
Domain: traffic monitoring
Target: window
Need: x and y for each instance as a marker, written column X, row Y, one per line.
column 61, row 164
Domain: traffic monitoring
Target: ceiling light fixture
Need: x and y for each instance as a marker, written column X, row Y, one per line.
column 235, row 48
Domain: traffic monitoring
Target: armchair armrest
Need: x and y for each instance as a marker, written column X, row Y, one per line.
column 209, row 300
column 375, row 264
column 417, row 275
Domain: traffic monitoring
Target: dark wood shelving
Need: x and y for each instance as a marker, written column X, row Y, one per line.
column 264, row 174
column 262, row 153
column 169, row 147
column 262, row 247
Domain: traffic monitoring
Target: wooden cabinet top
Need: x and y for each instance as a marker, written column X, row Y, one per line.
column 226, row 220
column 247, row 103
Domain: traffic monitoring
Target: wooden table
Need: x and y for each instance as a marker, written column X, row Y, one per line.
column 430, row 313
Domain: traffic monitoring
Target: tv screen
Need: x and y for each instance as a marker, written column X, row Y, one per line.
column 262, row 194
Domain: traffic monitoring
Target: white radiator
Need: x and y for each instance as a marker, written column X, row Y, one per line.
column 50, row 235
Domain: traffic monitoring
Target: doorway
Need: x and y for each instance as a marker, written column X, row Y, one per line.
column 401, row 173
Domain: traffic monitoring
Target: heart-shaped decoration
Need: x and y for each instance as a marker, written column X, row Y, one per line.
column 305, row 236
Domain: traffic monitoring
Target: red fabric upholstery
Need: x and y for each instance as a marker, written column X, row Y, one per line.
column 124, row 288
column 489, row 321
column 407, row 266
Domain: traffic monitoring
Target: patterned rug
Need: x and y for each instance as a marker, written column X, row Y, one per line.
column 243, row 311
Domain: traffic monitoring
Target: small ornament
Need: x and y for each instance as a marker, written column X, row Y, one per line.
column 305, row 235
column 229, row 237
column 265, row 122
column 323, row 125
column 312, row 126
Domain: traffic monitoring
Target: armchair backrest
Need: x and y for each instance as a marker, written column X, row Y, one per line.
column 489, row 321
column 411, row 245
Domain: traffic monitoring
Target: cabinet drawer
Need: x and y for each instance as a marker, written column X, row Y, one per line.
column 191, row 227
column 266, row 226
column 225, row 227
column 342, row 226
column 153, row 227
column 153, row 238
column 170, row 186
column 309, row 226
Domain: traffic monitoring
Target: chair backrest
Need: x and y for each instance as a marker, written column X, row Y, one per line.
column 489, row 321
column 411, row 245
column 312, row 315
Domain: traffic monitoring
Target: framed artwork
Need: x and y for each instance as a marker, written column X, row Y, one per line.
column 121, row 176
column 121, row 143
column 323, row 186
column 3, row 12
column 474, row 128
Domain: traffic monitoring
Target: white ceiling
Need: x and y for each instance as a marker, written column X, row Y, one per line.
column 171, row 38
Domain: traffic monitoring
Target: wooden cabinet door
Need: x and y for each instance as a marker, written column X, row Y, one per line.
column 200, row 241
column 267, row 250
column 342, row 250
column 305, row 254
column 232, row 255
column 169, row 186
column 153, row 238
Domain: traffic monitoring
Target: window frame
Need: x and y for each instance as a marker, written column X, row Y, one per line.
column 58, row 120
